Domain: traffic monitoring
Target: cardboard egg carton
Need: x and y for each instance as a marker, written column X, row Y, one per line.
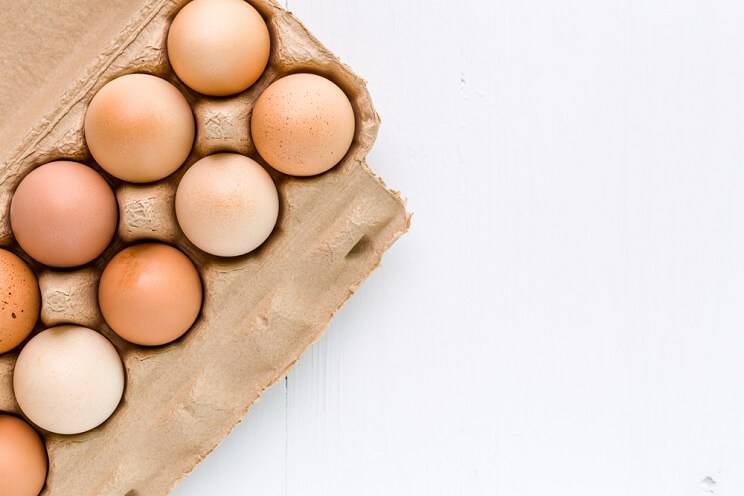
column 261, row 310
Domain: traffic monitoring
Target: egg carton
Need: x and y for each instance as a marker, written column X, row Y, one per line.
column 261, row 310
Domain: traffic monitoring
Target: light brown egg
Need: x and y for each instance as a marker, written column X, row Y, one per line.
column 227, row 204
column 23, row 458
column 63, row 214
column 139, row 128
column 19, row 301
column 218, row 47
column 150, row 294
column 303, row 124
column 68, row 379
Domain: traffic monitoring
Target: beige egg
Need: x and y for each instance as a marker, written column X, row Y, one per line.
column 139, row 128
column 23, row 458
column 68, row 379
column 227, row 204
column 19, row 301
column 303, row 124
column 63, row 214
column 218, row 47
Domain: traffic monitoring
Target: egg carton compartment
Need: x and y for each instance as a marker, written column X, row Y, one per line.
column 260, row 310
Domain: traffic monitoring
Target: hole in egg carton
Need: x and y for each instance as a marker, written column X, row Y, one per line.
column 146, row 212
column 70, row 297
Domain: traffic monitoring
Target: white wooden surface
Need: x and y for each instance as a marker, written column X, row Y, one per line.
column 567, row 314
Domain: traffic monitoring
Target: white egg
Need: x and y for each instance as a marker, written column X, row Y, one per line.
column 68, row 379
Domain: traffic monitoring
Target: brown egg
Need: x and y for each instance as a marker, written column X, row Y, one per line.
column 303, row 124
column 150, row 294
column 23, row 458
column 139, row 128
column 19, row 301
column 218, row 47
column 63, row 214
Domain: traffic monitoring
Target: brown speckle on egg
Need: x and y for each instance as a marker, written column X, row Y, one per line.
column 17, row 324
column 303, row 124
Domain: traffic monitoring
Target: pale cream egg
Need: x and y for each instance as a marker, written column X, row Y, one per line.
column 68, row 379
column 227, row 204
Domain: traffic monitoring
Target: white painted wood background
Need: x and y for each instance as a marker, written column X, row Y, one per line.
column 566, row 316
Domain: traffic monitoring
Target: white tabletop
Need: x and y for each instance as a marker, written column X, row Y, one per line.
column 566, row 316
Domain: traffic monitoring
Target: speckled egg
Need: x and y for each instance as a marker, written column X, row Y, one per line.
column 303, row 124
column 19, row 300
